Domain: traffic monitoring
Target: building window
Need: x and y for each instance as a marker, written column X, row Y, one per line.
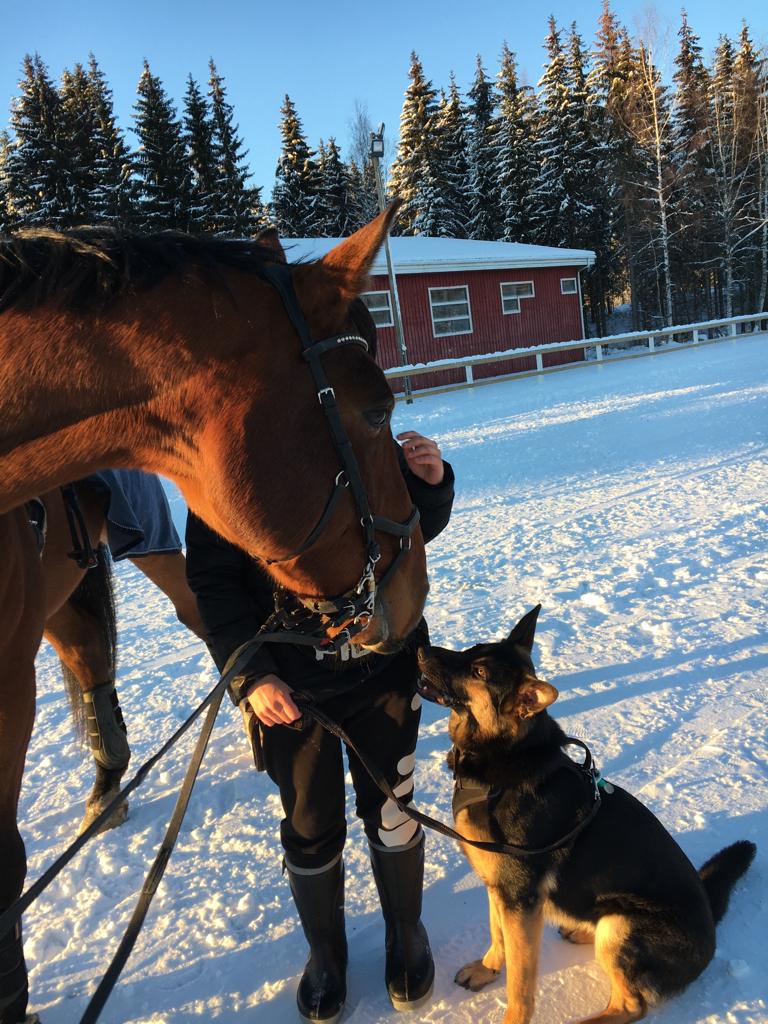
column 450, row 311
column 512, row 292
column 568, row 286
column 380, row 307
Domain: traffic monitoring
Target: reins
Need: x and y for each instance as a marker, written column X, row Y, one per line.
column 587, row 769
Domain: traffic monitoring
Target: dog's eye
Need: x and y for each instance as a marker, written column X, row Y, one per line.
column 479, row 670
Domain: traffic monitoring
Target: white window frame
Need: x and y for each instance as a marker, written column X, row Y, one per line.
column 565, row 280
column 443, row 288
column 514, row 299
column 385, row 291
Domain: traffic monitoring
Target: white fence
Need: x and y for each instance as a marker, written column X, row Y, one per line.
column 608, row 349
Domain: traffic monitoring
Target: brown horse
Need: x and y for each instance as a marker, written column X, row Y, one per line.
column 176, row 355
column 80, row 625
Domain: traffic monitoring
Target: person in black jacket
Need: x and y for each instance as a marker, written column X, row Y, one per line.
column 375, row 699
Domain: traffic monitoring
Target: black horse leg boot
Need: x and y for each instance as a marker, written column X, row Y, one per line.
column 410, row 970
column 319, row 898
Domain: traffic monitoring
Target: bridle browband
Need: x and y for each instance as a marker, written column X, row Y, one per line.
column 349, row 612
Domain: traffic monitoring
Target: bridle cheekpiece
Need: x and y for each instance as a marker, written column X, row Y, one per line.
column 346, row 614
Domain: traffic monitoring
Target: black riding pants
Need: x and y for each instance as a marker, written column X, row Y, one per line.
column 381, row 716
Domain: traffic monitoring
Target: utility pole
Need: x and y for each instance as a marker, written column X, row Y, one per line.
column 376, row 154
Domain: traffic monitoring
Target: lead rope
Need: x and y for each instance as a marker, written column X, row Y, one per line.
column 587, row 769
column 234, row 666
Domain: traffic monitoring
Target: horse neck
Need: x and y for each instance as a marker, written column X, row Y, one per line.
column 82, row 394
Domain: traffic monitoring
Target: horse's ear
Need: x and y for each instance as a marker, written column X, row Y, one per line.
column 268, row 238
column 352, row 259
column 524, row 631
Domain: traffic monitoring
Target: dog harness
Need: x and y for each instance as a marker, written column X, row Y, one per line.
column 468, row 792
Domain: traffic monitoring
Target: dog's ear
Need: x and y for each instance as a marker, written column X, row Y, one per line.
column 524, row 631
column 531, row 697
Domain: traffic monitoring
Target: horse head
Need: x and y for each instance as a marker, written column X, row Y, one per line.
column 268, row 464
column 178, row 355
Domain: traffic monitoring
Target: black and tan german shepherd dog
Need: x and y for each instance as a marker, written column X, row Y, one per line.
column 622, row 882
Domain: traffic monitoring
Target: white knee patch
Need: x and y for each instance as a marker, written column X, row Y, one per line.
column 403, row 788
column 392, row 816
column 399, row 836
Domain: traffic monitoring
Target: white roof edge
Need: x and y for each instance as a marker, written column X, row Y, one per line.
column 420, row 254
column 445, row 267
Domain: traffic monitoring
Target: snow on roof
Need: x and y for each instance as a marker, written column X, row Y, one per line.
column 423, row 255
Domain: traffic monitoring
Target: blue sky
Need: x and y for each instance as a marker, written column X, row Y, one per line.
column 325, row 55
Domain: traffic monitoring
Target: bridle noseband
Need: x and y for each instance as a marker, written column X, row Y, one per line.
column 349, row 612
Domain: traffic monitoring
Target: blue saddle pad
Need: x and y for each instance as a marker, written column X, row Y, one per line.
column 138, row 514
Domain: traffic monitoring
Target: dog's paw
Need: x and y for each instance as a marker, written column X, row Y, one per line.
column 475, row 976
column 578, row 936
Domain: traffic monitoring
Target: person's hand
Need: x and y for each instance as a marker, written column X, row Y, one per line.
column 271, row 701
column 423, row 457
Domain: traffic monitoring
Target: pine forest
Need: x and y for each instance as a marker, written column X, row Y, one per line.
column 665, row 180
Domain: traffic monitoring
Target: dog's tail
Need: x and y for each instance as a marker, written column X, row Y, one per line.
column 723, row 871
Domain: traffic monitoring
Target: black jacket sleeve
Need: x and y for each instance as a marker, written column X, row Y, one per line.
column 222, row 578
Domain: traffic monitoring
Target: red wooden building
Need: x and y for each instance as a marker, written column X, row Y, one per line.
column 462, row 298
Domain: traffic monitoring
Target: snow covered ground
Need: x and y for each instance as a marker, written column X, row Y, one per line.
column 630, row 499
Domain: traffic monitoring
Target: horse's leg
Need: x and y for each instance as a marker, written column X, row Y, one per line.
column 81, row 628
column 169, row 573
column 79, row 640
column 21, row 607
column 17, row 712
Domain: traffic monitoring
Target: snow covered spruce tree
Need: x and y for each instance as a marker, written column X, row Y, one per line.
column 202, row 158
column 413, row 175
column 294, row 197
column 553, row 214
column 334, row 210
column 112, row 189
column 6, row 216
column 485, row 213
column 37, row 167
column 239, row 210
column 363, row 194
column 587, row 220
column 78, row 130
column 451, row 211
column 515, row 140
column 691, row 201
column 609, row 87
column 160, row 162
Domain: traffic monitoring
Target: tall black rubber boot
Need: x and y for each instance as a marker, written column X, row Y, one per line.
column 410, row 969
column 13, row 980
column 319, row 898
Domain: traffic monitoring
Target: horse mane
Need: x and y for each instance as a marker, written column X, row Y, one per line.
column 83, row 269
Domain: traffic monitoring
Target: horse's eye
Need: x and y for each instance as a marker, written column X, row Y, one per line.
column 377, row 418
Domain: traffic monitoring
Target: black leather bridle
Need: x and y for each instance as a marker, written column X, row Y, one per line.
column 349, row 612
